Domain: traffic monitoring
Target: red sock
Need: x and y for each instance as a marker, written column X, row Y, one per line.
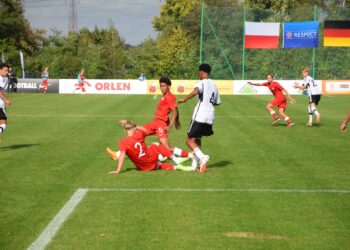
column 184, row 154
column 164, row 151
column 166, row 166
column 274, row 115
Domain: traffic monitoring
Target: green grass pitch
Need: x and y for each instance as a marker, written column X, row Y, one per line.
column 55, row 144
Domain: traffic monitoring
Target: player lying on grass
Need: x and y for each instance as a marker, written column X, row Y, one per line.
column 314, row 93
column 3, row 99
column 145, row 159
column 280, row 100
column 203, row 115
column 345, row 123
column 161, row 124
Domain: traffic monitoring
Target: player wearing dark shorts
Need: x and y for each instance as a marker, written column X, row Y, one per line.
column 314, row 93
column 279, row 101
column 3, row 99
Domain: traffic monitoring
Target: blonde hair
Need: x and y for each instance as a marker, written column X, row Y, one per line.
column 127, row 125
column 305, row 69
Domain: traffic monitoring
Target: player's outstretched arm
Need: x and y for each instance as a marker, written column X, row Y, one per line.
column 177, row 119
column 297, row 86
column 3, row 97
column 255, row 84
column 142, row 129
column 120, row 163
column 344, row 124
column 190, row 95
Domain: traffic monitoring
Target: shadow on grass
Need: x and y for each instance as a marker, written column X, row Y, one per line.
column 220, row 164
column 17, row 146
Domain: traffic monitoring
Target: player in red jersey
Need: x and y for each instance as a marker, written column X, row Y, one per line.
column 45, row 78
column 81, row 82
column 145, row 159
column 280, row 100
column 161, row 124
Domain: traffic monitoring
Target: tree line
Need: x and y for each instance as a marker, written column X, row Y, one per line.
column 175, row 52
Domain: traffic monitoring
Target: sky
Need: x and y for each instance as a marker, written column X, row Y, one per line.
column 132, row 18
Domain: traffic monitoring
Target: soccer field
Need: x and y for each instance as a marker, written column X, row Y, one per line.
column 265, row 187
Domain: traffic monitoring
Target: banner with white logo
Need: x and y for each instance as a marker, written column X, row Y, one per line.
column 105, row 86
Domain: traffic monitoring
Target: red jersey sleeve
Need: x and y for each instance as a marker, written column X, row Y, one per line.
column 122, row 145
column 265, row 84
column 171, row 100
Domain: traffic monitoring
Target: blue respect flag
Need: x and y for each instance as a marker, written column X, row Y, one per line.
column 300, row 35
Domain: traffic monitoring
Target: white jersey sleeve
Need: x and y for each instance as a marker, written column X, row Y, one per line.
column 208, row 96
column 312, row 86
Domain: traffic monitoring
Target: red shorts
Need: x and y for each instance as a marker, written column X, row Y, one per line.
column 150, row 161
column 156, row 127
column 45, row 82
column 280, row 103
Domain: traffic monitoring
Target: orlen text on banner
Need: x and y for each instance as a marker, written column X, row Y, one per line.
column 300, row 35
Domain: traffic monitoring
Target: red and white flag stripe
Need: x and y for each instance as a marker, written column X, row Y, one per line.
column 261, row 35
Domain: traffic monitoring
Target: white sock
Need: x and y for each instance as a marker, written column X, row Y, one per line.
column 310, row 114
column 315, row 111
column 2, row 128
column 177, row 151
column 194, row 162
column 310, row 118
column 198, row 153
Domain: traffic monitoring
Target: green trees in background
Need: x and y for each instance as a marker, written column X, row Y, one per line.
column 175, row 52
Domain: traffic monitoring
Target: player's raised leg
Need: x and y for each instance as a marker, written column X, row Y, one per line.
column 276, row 118
column 289, row 121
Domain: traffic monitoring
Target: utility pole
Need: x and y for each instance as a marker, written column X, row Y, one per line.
column 73, row 21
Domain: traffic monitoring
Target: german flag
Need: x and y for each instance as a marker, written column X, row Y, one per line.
column 337, row 33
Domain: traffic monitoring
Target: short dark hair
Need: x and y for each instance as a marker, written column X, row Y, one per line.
column 3, row 65
column 269, row 74
column 205, row 67
column 165, row 80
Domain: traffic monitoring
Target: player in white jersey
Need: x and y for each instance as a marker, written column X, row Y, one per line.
column 203, row 115
column 3, row 99
column 314, row 93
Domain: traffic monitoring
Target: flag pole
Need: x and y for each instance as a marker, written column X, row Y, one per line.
column 243, row 51
column 201, row 36
column 314, row 49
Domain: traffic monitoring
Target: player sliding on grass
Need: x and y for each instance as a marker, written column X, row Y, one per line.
column 203, row 115
column 314, row 93
column 3, row 99
column 145, row 159
column 280, row 100
column 161, row 124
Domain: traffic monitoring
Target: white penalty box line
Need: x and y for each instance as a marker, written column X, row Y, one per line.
column 52, row 228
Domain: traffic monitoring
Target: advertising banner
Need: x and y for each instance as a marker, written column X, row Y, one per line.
column 105, row 86
column 336, row 87
column 35, row 85
column 300, row 35
column 243, row 88
column 184, row 87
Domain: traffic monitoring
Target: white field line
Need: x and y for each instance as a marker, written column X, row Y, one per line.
column 55, row 224
column 148, row 115
column 49, row 232
column 219, row 190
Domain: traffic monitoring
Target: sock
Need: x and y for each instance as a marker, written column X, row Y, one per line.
column 288, row 120
column 310, row 114
column 2, row 128
column 315, row 111
column 194, row 162
column 167, row 166
column 180, row 152
column 274, row 115
column 198, row 153
column 183, row 168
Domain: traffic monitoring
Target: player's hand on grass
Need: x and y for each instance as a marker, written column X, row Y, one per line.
column 293, row 101
column 122, row 122
column 8, row 102
column 167, row 129
column 114, row 172
column 343, row 127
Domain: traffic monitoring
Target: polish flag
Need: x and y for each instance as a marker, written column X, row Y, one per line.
column 261, row 35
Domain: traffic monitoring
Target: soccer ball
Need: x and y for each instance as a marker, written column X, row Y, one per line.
column 162, row 158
